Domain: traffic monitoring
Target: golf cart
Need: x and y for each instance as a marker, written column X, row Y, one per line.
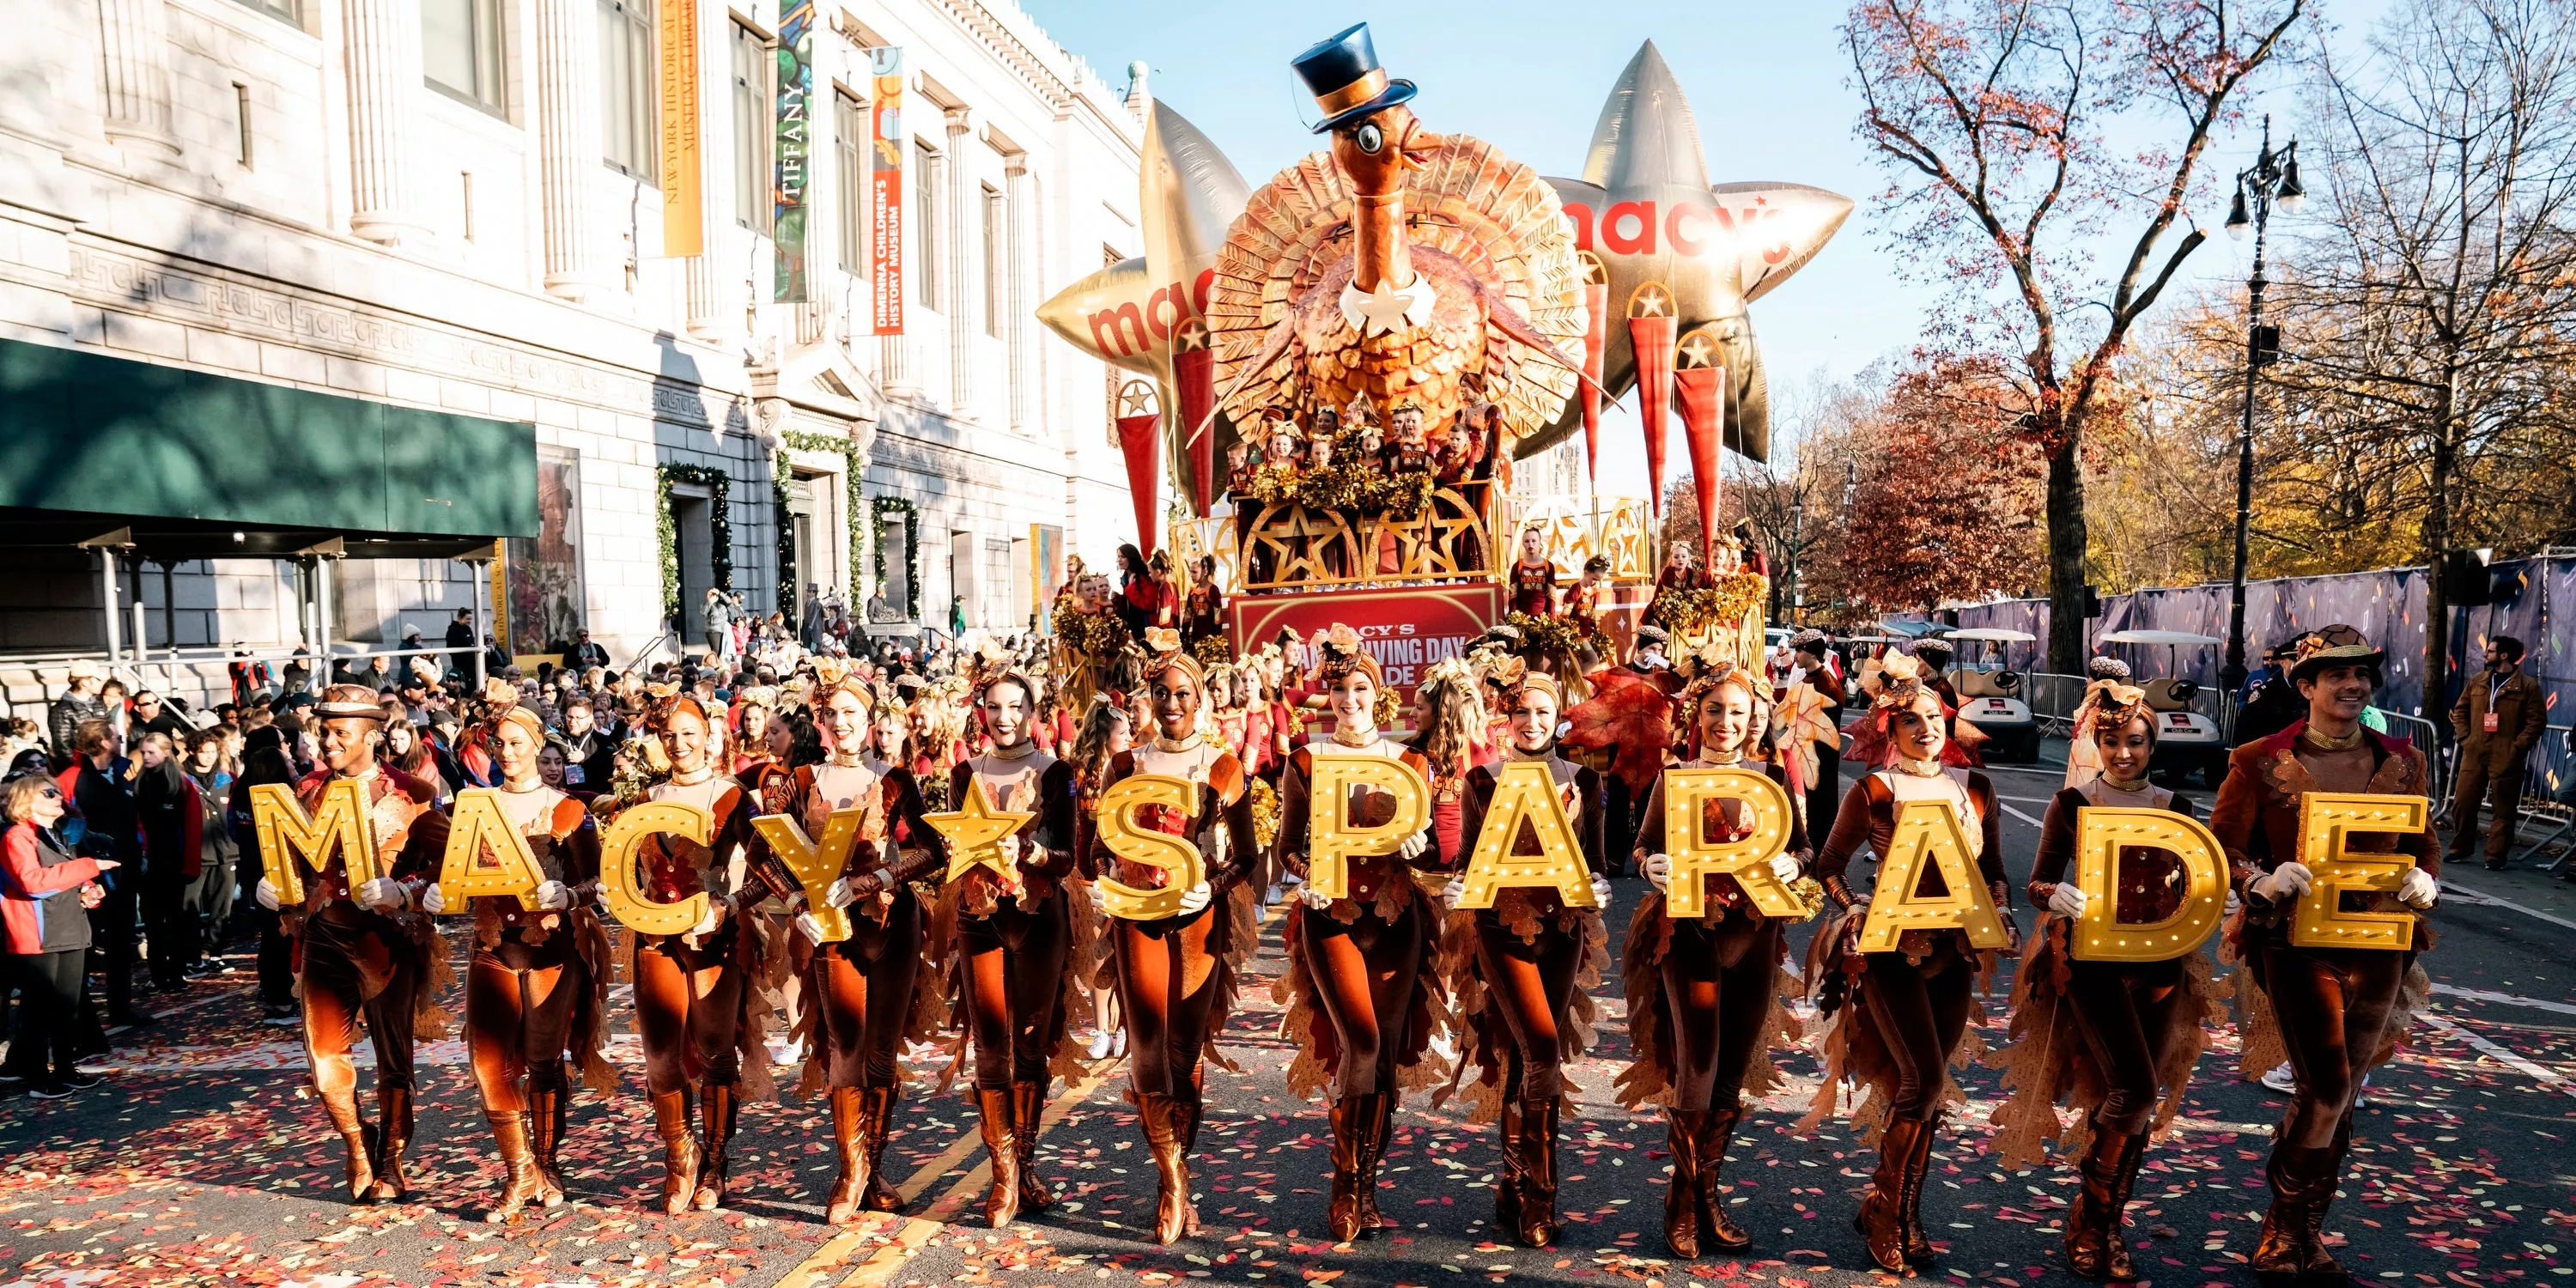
column 2187, row 742
column 1990, row 694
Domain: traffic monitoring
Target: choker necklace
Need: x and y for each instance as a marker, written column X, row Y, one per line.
column 1547, row 752
column 1715, row 763
column 1368, row 739
column 2133, row 786
column 1177, row 745
column 2331, row 742
column 691, row 780
column 853, row 762
column 1021, row 750
column 534, row 785
column 1919, row 768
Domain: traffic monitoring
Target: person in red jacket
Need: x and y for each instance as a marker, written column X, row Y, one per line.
column 44, row 894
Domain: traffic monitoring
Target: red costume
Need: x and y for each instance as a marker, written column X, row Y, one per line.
column 1533, row 588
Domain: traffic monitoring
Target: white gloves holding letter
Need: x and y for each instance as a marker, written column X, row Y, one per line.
column 1600, row 890
column 2417, row 889
column 1413, row 846
column 433, row 900
column 812, row 929
column 1195, row 898
column 2289, row 880
column 1785, row 868
column 2068, row 900
column 1308, row 895
column 553, row 896
column 1451, row 893
column 266, row 894
column 1659, row 871
column 383, row 894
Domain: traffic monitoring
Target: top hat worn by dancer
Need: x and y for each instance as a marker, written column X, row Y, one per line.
column 1898, row 1017
column 1365, row 961
column 367, row 951
column 2104, row 1035
column 1176, row 975
column 1705, row 995
column 2336, row 1012
column 537, row 984
column 1521, row 971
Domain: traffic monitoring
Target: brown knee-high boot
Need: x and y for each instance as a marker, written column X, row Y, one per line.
column 1353, row 1117
column 2116, row 1263
column 679, row 1151
column 2301, row 1180
column 1003, row 1203
column 1918, row 1244
column 518, row 1166
column 1507, row 1169
column 357, row 1140
column 1372, row 1151
column 848, row 1143
column 393, row 1136
column 1028, row 1117
column 1881, row 1219
column 1538, row 1171
column 1683, row 1131
column 877, row 1103
column 546, row 1127
column 2089, row 1216
column 1162, row 1117
column 719, row 1113
column 2321, row 1265
column 1721, row 1233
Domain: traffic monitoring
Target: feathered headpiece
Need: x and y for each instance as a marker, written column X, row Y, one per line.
column 2108, row 704
column 1343, row 656
column 1163, row 652
column 1898, row 687
column 839, row 675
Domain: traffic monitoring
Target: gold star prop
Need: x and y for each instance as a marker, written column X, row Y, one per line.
column 974, row 833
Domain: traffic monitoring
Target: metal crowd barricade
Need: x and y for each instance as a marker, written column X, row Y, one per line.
column 2549, row 793
column 2427, row 739
column 2053, row 699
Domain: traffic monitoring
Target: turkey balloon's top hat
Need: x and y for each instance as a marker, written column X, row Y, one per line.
column 1344, row 76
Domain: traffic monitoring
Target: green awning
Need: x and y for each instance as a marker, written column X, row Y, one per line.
column 85, row 436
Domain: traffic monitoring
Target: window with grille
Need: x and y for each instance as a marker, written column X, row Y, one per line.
column 629, row 118
column 850, row 153
column 751, row 68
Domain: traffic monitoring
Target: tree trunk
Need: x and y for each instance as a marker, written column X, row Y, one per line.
column 2437, row 542
column 2066, row 543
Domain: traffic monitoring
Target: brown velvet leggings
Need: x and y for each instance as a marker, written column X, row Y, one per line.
column 519, row 1003
column 1718, row 985
column 1527, row 985
column 1168, row 984
column 688, row 1007
column 1366, row 973
column 1015, row 964
column 863, row 994
column 2125, row 1012
column 338, row 961
column 2332, row 1005
column 1921, row 1017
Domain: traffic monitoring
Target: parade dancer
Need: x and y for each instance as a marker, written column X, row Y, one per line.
column 537, row 983
column 1176, row 976
column 1364, row 961
column 1533, row 576
column 1899, row 1016
column 1521, row 970
column 692, row 989
column 367, row 951
column 1016, row 940
column 2118, row 1039
column 1704, row 994
column 2337, row 1012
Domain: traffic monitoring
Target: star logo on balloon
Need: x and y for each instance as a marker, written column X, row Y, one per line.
column 974, row 833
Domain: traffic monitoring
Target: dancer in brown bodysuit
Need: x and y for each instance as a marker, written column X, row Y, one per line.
column 368, row 951
column 1365, row 961
column 2104, row 1034
column 537, row 983
column 2337, row 1012
column 1704, row 994
column 1176, row 975
column 1521, row 970
column 1015, row 941
column 1909, row 1008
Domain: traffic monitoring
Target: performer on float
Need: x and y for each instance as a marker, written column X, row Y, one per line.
column 1681, row 571
column 1522, row 970
column 367, row 951
column 2117, row 1038
column 1533, row 576
column 1704, row 993
column 1362, row 989
column 1899, row 1016
column 2337, row 1012
column 1176, row 975
column 1016, row 939
column 692, row 989
column 537, row 983
column 871, row 991
column 1824, row 796
column 1583, row 601
column 1203, row 606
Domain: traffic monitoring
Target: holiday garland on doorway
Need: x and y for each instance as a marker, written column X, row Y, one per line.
column 884, row 506
column 852, row 471
column 719, row 532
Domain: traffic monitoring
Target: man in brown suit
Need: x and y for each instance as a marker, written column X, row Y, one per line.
column 2500, row 714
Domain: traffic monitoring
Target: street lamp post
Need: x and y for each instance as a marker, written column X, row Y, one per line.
column 1797, row 545
column 2274, row 175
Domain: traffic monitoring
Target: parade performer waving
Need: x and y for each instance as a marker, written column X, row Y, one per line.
column 1364, row 961
column 1176, row 975
column 537, row 984
column 2116, row 1038
column 1704, row 994
column 367, row 951
column 1521, row 970
column 1898, row 1017
column 2336, row 1012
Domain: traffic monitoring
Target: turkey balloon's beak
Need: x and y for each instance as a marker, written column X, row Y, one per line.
column 1418, row 147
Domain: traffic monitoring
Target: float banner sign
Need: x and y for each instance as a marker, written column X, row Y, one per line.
column 1407, row 631
column 683, row 200
column 885, row 191
column 794, row 147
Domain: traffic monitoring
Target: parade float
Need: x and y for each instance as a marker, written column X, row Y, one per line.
column 1331, row 375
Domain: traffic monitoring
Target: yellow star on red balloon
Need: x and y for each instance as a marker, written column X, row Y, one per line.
column 974, row 833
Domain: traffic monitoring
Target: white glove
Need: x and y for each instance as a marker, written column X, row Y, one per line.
column 1413, row 846
column 840, row 895
column 1313, row 898
column 1099, row 898
column 2234, row 904
column 2417, row 889
column 432, row 899
column 810, row 927
column 1601, row 890
column 2067, row 900
column 1659, row 871
column 2285, row 880
column 708, row 923
column 384, row 894
column 1785, row 868
column 1451, row 893
column 553, row 896
column 266, row 894
column 1195, row 898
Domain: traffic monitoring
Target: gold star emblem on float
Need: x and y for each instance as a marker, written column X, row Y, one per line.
column 974, row 833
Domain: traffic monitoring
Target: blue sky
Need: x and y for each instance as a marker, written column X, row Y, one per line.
column 1768, row 84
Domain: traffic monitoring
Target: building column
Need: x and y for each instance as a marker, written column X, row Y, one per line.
column 568, row 111
column 1015, row 295
column 965, row 212
column 384, row 84
column 134, row 50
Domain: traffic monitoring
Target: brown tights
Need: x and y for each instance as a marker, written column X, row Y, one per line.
column 2332, row 1005
column 1366, row 972
column 1528, row 985
column 2125, row 1012
column 1921, row 1018
column 863, row 995
column 1718, row 985
column 1167, row 988
column 339, row 963
column 688, row 1007
column 518, row 1017
column 1015, row 964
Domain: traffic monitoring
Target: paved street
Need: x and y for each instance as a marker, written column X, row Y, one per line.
column 204, row 1162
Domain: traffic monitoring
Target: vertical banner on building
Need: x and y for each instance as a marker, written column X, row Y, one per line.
column 499, row 572
column 1046, row 569
column 885, row 191
column 683, row 197
column 794, row 146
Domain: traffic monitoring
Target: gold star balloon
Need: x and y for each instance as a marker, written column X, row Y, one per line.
column 1647, row 217
column 974, row 833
